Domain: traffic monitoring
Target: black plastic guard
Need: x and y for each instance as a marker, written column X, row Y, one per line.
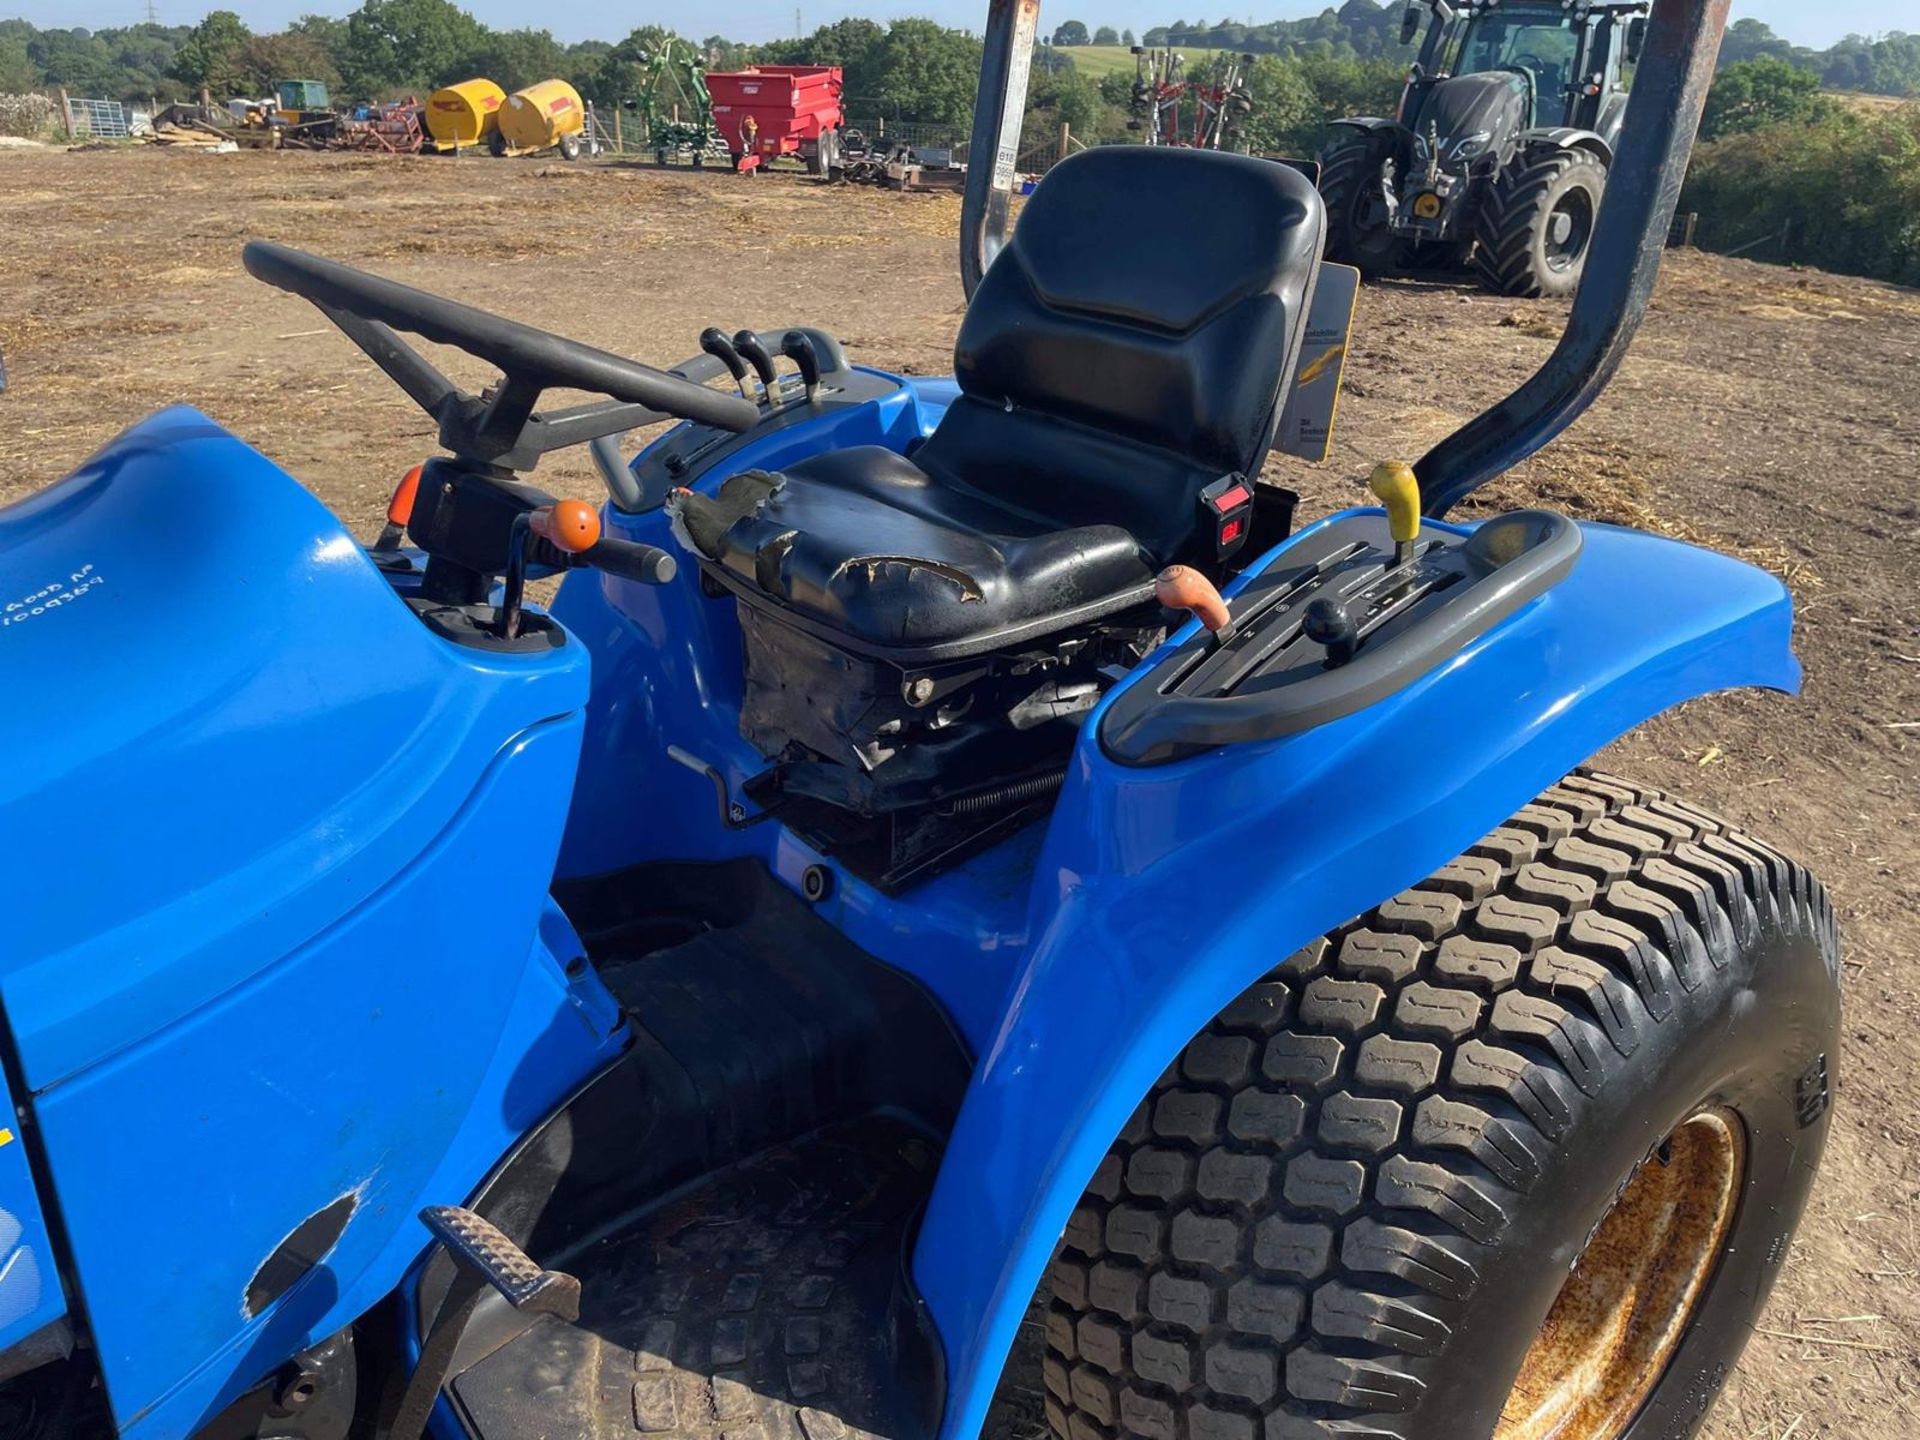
column 1270, row 679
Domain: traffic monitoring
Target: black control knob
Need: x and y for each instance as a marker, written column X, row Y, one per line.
column 798, row 348
column 1329, row 623
column 714, row 341
column 755, row 354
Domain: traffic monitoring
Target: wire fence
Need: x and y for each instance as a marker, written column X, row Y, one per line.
column 1688, row 226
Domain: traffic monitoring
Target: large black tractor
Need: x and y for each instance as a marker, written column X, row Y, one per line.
column 1498, row 155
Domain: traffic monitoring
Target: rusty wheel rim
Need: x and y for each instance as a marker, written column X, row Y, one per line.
column 1628, row 1301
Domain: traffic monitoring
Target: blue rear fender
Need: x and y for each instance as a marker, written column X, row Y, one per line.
column 1162, row 893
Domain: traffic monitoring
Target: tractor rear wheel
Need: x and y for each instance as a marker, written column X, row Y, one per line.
column 1357, row 234
column 1536, row 225
column 1516, row 1153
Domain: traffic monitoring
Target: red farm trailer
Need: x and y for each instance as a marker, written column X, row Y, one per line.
column 767, row 111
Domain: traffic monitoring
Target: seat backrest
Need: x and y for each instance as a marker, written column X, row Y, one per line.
column 1154, row 294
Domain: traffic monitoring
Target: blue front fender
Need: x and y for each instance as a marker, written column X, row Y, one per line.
column 1164, row 892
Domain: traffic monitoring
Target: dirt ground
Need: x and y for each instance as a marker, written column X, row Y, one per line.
column 1764, row 411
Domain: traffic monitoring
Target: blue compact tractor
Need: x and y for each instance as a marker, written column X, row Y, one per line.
column 950, row 865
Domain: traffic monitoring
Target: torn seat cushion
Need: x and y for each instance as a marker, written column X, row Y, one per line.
column 867, row 542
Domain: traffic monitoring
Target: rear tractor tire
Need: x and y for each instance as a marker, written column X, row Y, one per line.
column 1535, row 228
column 1552, row 1113
column 1345, row 174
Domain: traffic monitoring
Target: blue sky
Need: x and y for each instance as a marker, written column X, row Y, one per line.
column 1803, row 23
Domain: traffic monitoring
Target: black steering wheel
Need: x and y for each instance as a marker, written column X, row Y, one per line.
column 500, row 427
column 1545, row 75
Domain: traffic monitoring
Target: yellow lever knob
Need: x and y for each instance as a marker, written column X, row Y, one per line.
column 1394, row 484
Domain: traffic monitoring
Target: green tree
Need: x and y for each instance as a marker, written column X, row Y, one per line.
column 1106, row 35
column 1071, row 32
column 515, row 59
column 1344, row 86
column 1072, row 98
column 329, row 33
column 913, row 70
column 581, row 68
column 1048, row 60
column 1839, row 191
column 394, row 46
column 725, row 54
column 1750, row 40
column 1888, row 65
column 142, row 56
column 927, row 73
column 630, row 68
column 854, row 45
column 211, row 57
column 75, row 59
column 17, row 71
column 1754, row 94
column 265, row 60
column 1287, row 115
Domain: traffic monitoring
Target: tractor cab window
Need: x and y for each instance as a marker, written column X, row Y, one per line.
column 1543, row 45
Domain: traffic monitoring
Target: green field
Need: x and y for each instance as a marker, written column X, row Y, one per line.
column 1095, row 61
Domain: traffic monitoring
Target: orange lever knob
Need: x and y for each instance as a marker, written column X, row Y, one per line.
column 1181, row 587
column 400, row 507
column 569, row 525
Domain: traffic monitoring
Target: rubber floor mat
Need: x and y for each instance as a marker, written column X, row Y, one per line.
column 764, row 1302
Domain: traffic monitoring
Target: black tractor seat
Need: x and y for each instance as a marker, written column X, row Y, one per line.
column 880, row 550
column 1109, row 373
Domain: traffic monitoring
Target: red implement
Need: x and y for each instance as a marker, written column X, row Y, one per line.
column 772, row 110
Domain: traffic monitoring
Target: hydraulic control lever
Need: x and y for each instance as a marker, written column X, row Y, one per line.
column 571, row 531
column 755, row 354
column 714, row 341
column 400, row 510
column 1181, row 587
column 798, row 348
column 1396, row 488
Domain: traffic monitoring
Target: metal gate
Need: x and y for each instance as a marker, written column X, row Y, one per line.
column 99, row 119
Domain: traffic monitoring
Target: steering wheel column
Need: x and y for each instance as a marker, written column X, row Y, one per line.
column 471, row 514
